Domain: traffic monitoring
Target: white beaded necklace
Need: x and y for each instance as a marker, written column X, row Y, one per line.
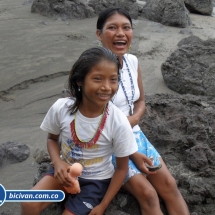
column 129, row 102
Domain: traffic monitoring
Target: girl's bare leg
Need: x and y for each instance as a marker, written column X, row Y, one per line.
column 67, row 212
column 145, row 194
column 34, row 208
column 167, row 189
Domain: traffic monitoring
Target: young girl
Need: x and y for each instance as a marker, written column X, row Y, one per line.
column 114, row 30
column 91, row 129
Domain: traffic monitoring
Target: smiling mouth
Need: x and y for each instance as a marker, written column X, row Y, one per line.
column 104, row 95
column 120, row 43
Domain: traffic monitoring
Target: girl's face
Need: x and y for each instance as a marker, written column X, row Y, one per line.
column 116, row 34
column 99, row 86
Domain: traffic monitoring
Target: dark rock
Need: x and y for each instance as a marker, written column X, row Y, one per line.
column 200, row 6
column 189, row 40
column 43, row 168
column 186, row 31
column 65, row 9
column 167, row 12
column 130, row 5
column 190, row 69
column 203, row 157
column 182, row 129
column 41, row 156
column 13, row 152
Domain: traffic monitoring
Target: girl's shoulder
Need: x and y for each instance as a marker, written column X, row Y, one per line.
column 131, row 58
column 115, row 112
column 62, row 103
column 117, row 119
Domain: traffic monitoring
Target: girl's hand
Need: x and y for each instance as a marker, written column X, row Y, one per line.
column 98, row 210
column 140, row 161
column 139, row 105
column 61, row 168
column 61, row 173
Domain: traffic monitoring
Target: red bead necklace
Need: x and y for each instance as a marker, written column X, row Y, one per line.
column 96, row 136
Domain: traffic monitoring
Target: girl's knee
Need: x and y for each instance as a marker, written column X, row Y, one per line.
column 148, row 198
column 170, row 183
column 142, row 189
column 148, row 194
column 170, row 188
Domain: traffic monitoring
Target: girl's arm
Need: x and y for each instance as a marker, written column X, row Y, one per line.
column 139, row 160
column 115, row 184
column 139, row 110
column 60, row 167
column 139, row 105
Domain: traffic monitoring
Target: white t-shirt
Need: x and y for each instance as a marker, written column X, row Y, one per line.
column 119, row 99
column 117, row 137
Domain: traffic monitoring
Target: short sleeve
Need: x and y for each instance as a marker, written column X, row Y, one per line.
column 124, row 142
column 51, row 122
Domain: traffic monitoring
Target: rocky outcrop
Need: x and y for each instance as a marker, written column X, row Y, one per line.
column 13, row 152
column 182, row 128
column 129, row 5
column 65, row 9
column 191, row 68
column 167, row 12
column 41, row 156
column 42, row 169
column 204, row 7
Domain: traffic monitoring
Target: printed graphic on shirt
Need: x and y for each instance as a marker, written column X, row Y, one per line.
column 72, row 153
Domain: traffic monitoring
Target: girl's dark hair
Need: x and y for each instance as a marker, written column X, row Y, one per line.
column 105, row 14
column 82, row 66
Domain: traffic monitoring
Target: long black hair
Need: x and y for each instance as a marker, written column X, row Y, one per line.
column 82, row 66
column 106, row 13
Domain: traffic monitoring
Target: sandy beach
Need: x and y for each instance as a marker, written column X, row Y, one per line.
column 36, row 54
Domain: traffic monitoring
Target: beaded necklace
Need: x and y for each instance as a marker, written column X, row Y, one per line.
column 131, row 102
column 87, row 144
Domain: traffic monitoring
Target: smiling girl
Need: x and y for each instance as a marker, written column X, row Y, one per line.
column 91, row 129
column 114, row 30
